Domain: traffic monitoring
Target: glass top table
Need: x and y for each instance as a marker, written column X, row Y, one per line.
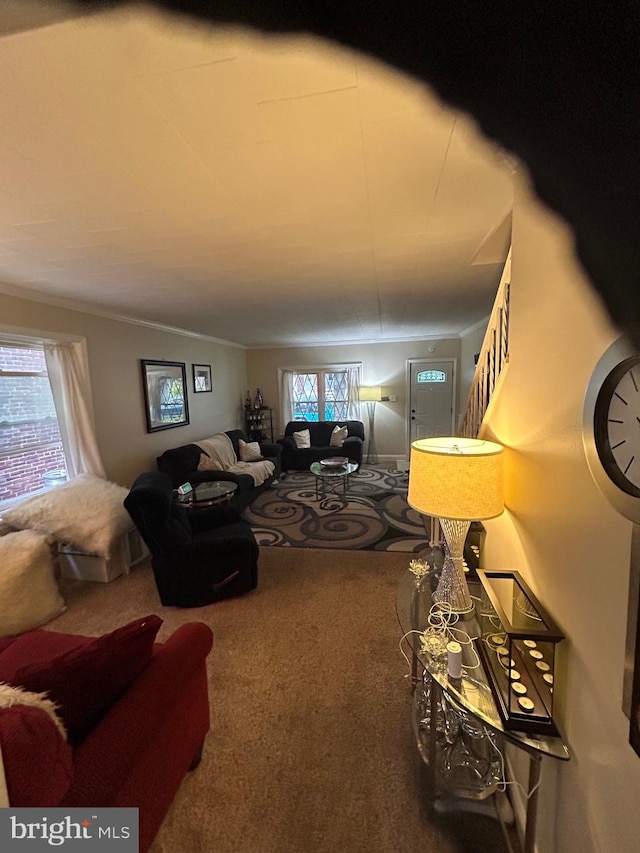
column 472, row 691
column 332, row 475
column 207, row 494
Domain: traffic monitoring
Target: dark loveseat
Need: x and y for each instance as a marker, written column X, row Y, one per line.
column 181, row 466
column 296, row 458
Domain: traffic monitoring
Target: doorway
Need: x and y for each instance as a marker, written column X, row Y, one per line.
column 431, row 395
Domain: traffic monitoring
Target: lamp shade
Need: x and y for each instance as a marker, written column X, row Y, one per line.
column 458, row 478
column 370, row 394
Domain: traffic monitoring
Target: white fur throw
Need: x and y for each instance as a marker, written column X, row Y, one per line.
column 29, row 594
column 10, row 696
column 87, row 512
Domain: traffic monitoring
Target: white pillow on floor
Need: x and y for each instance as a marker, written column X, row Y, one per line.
column 28, row 589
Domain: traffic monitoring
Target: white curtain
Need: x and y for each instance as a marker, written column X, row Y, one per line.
column 353, row 406
column 68, row 371
column 286, row 398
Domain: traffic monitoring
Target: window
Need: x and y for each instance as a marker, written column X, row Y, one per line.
column 431, row 376
column 31, row 453
column 322, row 395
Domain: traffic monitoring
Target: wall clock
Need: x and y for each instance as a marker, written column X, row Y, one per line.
column 611, row 427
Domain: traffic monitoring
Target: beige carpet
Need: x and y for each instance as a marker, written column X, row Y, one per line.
column 311, row 748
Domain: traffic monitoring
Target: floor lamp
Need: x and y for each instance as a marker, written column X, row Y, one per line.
column 371, row 395
column 459, row 480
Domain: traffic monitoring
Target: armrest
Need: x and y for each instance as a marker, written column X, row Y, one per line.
column 272, row 450
column 211, row 517
column 353, row 439
column 111, row 752
column 287, row 441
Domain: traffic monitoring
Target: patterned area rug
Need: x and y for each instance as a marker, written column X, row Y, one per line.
column 373, row 516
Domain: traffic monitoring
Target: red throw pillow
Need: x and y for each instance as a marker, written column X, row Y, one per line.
column 86, row 681
column 37, row 760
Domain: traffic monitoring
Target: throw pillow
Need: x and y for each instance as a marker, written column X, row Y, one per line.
column 302, row 438
column 28, row 588
column 249, row 451
column 86, row 681
column 338, row 436
column 206, row 463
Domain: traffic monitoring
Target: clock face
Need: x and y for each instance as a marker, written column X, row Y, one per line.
column 616, row 425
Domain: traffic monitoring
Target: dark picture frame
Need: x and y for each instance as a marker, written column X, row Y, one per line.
column 202, row 378
column 165, row 394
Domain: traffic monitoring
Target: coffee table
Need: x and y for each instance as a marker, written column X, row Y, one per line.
column 207, row 494
column 331, row 477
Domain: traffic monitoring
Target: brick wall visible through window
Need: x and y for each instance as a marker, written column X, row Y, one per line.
column 30, row 444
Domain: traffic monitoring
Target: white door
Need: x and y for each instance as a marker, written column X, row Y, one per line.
column 431, row 391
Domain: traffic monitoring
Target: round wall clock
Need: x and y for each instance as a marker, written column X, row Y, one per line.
column 611, row 430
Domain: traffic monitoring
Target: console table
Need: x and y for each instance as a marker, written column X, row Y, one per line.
column 456, row 720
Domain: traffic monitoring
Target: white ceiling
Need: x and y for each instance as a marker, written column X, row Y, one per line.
column 260, row 191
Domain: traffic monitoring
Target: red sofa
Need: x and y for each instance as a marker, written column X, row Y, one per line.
column 138, row 750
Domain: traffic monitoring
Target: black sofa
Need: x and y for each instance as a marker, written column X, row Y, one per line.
column 197, row 556
column 180, row 464
column 296, row 458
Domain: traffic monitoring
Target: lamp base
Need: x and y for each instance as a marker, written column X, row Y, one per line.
column 452, row 592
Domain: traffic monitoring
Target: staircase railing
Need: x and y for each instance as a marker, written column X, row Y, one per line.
column 494, row 355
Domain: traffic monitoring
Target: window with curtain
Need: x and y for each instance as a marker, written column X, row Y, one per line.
column 321, row 394
column 31, row 452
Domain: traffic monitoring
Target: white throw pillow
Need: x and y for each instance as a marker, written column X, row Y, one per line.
column 28, row 589
column 206, row 463
column 249, row 451
column 338, row 436
column 302, row 438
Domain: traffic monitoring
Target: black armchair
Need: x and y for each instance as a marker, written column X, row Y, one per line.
column 198, row 556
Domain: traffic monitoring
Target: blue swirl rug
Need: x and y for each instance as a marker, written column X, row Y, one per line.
column 374, row 515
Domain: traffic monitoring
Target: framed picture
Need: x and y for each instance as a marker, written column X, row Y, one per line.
column 201, row 378
column 165, row 394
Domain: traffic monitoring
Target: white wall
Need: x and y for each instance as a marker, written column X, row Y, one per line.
column 564, row 537
column 383, row 364
column 115, row 349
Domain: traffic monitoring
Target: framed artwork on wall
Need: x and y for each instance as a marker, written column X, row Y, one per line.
column 201, row 378
column 165, row 394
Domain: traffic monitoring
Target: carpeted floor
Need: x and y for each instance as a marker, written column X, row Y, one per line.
column 311, row 747
column 374, row 515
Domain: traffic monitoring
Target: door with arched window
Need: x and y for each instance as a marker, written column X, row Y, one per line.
column 431, row 395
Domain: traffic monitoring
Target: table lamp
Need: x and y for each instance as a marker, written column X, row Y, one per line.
column 371, row 395
column 459, row 480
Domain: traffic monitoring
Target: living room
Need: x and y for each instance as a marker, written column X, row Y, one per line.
column 559, row 530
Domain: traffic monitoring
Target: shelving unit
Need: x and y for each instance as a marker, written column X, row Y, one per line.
column 259, row 423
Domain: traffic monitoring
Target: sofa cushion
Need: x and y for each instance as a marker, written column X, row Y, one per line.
column 302, row 438
column 28, row 588
column 37, row 759
column 87, row 680
column 338, row 436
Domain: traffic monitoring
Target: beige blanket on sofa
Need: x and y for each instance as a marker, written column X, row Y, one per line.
column 220, row 448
